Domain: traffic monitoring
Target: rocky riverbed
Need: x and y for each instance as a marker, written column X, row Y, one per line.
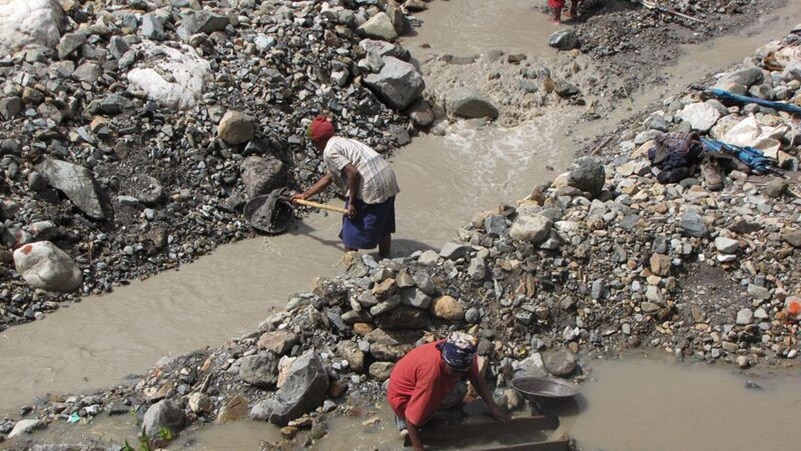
column 602, row 259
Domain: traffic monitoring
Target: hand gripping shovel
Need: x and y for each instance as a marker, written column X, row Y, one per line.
column 272, row 213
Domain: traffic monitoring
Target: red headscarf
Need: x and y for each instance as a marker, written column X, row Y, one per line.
column 321, row 129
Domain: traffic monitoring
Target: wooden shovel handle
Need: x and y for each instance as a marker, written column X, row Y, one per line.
column 309, row 203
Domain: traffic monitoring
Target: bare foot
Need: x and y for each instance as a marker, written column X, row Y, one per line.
column 555, row 21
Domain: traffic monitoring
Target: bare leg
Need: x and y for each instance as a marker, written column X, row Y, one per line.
column 351, row 249
column 385, row 245
column 557, row 16
column 574, row 9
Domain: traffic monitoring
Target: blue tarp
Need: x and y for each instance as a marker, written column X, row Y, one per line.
column 780, row 106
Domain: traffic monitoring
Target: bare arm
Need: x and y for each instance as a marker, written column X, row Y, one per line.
column 353, row 177
column 315, row 189
column 414, row 436
column 483, row 391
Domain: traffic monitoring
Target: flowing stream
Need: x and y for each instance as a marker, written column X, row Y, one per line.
column 444, row 181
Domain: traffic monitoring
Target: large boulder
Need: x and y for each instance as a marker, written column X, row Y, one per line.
column 564, row 40
column 188, row 74
column 398, row 84
column 379, row 26
column 77, row 183
column 745, row 77
column 304, row 390
column 28, row 24
column 262, row 174
column 45, row 266
column 588, row 175
column 164, row 414
column 466, row 102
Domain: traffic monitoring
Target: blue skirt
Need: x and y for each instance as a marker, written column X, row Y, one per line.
column 372, row 222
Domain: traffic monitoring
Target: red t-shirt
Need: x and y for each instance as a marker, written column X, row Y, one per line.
column 419, row 382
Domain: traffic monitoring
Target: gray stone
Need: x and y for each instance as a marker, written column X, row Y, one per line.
column 472, row 315
column 385, row 306
column 259, row 370
column 745, row 317
column 531, row 366
column 477, row 269
column 598, row 289
column 758, row 293
column 649, row 307
column 564, row 40
column 117, row 47
column 69, row 43
column 10, row 107
column 692, row 224
column 422, row 114
column 532, row 228
column 466, row 102
column 77, row 183
column 88, row 72
column 202, row 21
column 776, row 188
column 261, row 175
column 45, row 266
column 746, row 77
column 726, row 245
column 423, row 281
column 495, row 225
column 453, row 251
column 566, row 90
column 562, row 363
column 398, row 84
column 36, row 181
column 236, row 128
column 152, row 27
column 588, row 175
column 415, row 297
column 304, row 390
column 164, row 414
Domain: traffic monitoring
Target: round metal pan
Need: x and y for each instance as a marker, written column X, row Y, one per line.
column 266, row 213
column 545, row 387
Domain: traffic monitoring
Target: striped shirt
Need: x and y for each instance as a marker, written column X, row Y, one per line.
column 377, row 182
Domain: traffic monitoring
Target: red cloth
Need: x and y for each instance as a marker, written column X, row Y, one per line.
column 419, row 383
column 321, row 129
column 556, row 4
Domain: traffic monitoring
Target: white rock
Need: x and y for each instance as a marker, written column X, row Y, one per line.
column 29, row 23
column 45, row 266
column 701, row 116
column 26, row 427
column 189, row 71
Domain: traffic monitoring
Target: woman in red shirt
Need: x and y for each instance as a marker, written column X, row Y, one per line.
column 425, row 376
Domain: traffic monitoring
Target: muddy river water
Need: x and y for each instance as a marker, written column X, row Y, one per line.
column 444, row 181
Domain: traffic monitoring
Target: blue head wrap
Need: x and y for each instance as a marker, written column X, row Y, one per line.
column 458, row 350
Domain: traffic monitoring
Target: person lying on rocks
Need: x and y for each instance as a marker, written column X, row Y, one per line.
column 430, row 378
column 558, row 5
column 368, row 182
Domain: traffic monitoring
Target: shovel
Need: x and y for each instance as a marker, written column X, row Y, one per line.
column 272, row 213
